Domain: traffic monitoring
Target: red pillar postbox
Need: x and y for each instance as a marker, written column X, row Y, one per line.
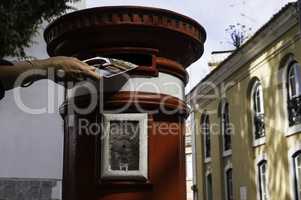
column 138, row 151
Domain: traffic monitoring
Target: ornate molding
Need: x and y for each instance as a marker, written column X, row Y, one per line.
column 177, row 36
column 118, row 15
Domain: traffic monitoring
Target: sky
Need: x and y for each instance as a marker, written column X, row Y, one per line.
column 215, row 16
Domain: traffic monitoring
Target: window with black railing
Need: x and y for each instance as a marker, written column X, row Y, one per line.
column 294, row 94
column 205, row 123
column 226, row 128
column 258, row 110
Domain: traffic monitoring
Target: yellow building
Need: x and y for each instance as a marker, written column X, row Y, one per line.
column 247, row 118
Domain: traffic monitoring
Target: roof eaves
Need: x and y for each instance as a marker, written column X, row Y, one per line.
column 274, row 17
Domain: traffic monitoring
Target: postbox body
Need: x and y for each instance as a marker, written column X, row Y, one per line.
column 130, row 144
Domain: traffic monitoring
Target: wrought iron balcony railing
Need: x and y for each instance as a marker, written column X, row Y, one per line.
column 294, row 111
column 259, row 125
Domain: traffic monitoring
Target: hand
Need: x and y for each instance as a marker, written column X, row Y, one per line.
column 73, row 68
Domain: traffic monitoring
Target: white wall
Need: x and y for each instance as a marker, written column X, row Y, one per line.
column 31, row 146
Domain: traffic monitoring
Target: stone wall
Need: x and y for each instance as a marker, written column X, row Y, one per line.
column 29, row 189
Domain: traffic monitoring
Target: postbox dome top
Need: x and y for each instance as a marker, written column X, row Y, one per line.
column 175, row 36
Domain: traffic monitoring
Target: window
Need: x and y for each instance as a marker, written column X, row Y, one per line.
column 229, row 184
column 257, row 107
column 297, row 175
column 293, row 80
column 262, row 180
column 124, row 147
column 209, row 193
column 225, row 126
column 294, row 93
column 205, row 123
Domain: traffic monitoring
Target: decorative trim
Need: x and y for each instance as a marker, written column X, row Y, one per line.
column 293, row 130
column 127, row 26
column 260, row 158
column 118, row 15
column 227, row 153
column 228, row 166
column 208, row 171
column 258, row 142
column 282, row 78
column 207, row 160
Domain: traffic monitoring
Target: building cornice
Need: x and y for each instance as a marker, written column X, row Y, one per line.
column 263, row 39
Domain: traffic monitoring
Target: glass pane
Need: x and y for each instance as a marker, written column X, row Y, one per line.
column 209, row 188
column 226, row 128
column 261, row 101
column 258, row 99
column 229, row 185
column 206, row 128
column 298, row 78
column 263, row 181
column 124, row 145
column 292, row 81
column 254, row 102
column 298, row 175
column 207, row 145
